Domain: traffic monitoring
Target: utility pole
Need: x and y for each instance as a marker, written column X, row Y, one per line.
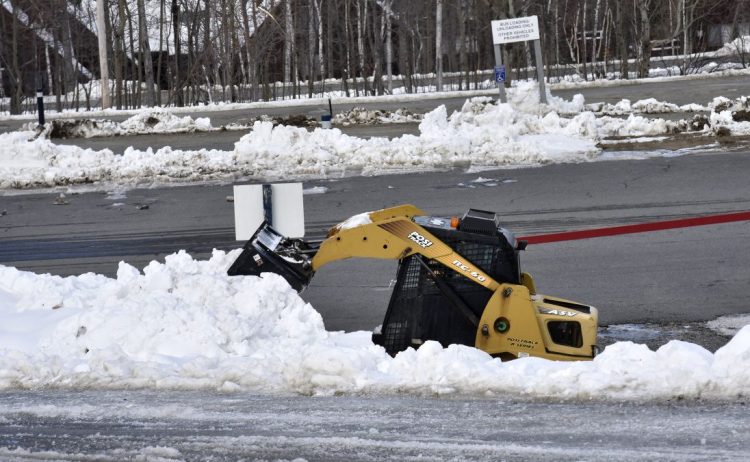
column 101, row 30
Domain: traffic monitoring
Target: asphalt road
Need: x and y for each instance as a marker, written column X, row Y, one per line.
column 683, row 275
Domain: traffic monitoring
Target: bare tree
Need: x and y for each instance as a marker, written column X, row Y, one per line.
column 388, row 6
column 146, row 59
column 644, row 53
column 177, row 82
column 439, row 43
column 288, row 40
column 101, row 30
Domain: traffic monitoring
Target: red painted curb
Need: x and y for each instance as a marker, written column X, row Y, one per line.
column 639, row 228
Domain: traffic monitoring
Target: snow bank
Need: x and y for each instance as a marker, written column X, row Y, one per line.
column 740, row 45
column 480, row 134
column 28, row 162
column 186, row 324
column 729, row 325
column 364, row 116
column 147, row 121
column 730, row 117
column 644, row 106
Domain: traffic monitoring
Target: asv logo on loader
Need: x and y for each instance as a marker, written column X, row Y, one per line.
column 474, row 274
column 569, row 314
column 420, row 240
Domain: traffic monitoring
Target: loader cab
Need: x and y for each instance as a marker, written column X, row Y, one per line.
column 421, row 310
column 482, row 239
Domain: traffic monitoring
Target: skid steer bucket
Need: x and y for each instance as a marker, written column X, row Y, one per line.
column 270, row 252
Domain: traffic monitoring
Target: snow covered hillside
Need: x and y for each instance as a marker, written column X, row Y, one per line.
column 186, row 324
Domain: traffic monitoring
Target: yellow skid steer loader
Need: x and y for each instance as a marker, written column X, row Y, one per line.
column 459, row 282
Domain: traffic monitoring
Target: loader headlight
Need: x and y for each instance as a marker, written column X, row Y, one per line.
column 501, row 325
column 566, row 333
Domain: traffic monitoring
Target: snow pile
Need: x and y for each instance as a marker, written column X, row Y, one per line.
column 644, row 106
column 361, row 115
column 730, row 117
column 146, row 121
column 26, row 162
column 729, row 325
column 524, row 96
column 653, row 106
column 727, row 123
column 740, row 45
column 162, row 121
column 186, row 324
column 480, row 134
column 636, row 125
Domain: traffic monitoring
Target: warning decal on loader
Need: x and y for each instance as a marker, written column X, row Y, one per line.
column 435, row 249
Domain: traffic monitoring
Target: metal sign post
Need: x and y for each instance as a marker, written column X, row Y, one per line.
column 500, row 72
column 520, row 30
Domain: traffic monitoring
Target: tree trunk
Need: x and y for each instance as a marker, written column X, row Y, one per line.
column 311, row 42
column 16, row 87
column 48, row 63
column 682, row 14
column 557, row 33
column 329, row 68
column 462, row 57
column 161, row 52
column 361, row 26
column 389, row 44
column 439, row 44
column 256, row 53
column 645, row 54
column 249, row 65
column 347, row 49
column 208, row 60
column 136, row 98
column 594, row 47
column 177, row 85
column 288, row 41
column 101, row 32
column 119, row 53
column 69, row 75
column 376, row 46
column 148, row 65
column 506, row 54
column 319, row 21
column 584, row 56
column 622, row 40
column 404, row 67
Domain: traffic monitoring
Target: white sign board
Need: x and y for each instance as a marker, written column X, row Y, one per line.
column 515, row 30
column 287, row 210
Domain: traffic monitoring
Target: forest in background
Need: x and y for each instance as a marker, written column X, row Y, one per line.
column 182, row 52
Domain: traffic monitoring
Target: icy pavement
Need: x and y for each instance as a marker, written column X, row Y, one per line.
column 185, row 324
column 188, row 425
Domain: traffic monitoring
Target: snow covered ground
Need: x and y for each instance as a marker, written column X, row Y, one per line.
column 185, row 324
column 522, row 132
column 711, row 71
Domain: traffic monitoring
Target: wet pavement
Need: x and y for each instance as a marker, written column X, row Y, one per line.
column 200, row 425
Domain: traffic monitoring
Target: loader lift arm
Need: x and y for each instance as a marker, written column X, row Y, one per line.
column 392, row 235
